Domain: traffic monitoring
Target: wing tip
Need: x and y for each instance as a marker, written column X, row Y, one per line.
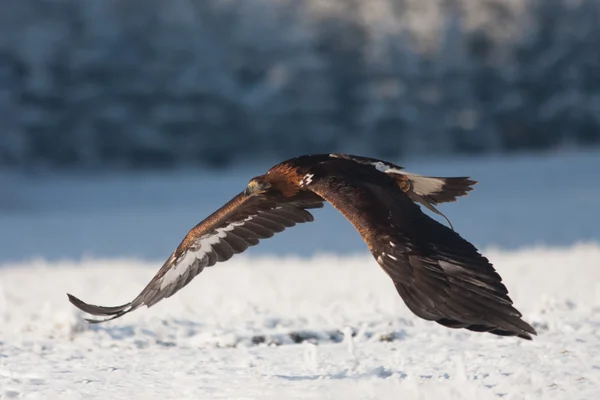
column 76, row 302
column 519, row 328
column 526, row 336
column 522, row 333
column 528, row 333
column 110, row 312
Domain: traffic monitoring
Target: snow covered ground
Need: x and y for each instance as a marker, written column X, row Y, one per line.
column 275, row 328
column 305, row 315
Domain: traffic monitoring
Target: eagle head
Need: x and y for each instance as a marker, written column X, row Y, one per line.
column 257, row 185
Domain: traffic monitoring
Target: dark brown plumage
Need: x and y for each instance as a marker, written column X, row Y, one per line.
column 440, row 276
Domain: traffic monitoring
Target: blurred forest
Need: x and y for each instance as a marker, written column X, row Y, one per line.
column 155, row 83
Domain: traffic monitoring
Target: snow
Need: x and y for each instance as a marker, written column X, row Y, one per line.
column 305, row 315
column 287, row 327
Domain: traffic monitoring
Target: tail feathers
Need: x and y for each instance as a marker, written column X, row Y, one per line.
column 451, row 189
column 431, row 190
column 110, row 312
column 434, row 189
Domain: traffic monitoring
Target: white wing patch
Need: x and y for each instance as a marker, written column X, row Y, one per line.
column 306, row 180
column 198, row 251
column 177, row 269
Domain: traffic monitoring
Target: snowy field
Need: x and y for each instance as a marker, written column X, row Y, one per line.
column 306, row 315
column 289, row 328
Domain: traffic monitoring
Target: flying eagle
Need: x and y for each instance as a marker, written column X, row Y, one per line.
column 440, row 276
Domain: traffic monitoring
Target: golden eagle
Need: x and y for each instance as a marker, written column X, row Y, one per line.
column 440, row 276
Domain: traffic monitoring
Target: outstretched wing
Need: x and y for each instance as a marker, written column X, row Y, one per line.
column 439, row 275
column 239, row 224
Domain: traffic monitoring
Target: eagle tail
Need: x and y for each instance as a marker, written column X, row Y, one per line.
column 432, row 190
column 451, row 188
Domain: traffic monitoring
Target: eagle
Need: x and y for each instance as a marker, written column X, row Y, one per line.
column 440, row 276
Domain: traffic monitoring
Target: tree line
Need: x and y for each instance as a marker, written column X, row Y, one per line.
column 151, row 84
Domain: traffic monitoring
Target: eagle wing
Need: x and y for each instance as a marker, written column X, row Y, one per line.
column 230, row 230
column 439, row 275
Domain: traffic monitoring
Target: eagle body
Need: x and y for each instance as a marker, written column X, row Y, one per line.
column 440, row 276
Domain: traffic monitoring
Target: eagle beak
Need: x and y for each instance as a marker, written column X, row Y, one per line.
column 255, row 187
